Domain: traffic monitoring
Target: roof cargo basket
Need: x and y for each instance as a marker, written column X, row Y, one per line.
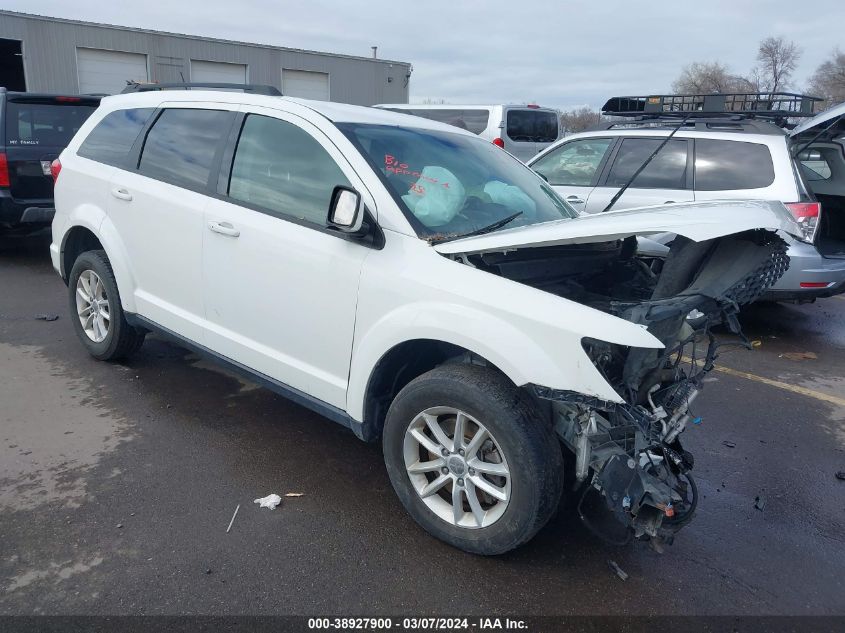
column 768, row 105
column 134, row 86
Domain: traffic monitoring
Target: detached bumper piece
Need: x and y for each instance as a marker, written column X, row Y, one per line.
column 632, row 458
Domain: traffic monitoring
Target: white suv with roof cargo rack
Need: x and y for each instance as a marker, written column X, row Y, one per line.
column 523, row 130
column 716, row 147
column 414, row 283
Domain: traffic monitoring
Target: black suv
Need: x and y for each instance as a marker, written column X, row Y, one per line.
column 34, row 129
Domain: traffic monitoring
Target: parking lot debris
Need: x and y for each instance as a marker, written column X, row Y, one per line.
column 46, row 317
column 799, row 355
column 760, row 502
column 756, row 343
column 270, row 501
column 729, row 444
column 840, row 475
column 294, row 494
column 617, row 570
column 698, row 420
column 233, row 518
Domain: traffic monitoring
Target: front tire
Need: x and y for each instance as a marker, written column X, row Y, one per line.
column 471, row 460
column 95, row 309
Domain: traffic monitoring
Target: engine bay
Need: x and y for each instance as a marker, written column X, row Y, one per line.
column 630, row 453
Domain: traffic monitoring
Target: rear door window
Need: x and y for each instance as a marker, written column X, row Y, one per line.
column 471, row 119
column 667, row 170
column 181, row 146
column 729, row 165
column 575, row 163
column 112, row 138
column 280, row 168
column 45, row 123
column 537, row 126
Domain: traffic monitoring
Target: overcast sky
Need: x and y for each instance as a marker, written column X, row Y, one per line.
column 560, row 54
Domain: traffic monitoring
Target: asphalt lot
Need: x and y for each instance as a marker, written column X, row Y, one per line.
column 117, row 482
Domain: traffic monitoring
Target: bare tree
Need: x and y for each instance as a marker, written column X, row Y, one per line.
column 709, row 77
column 579, row 119
column 828, row 82
column 777, row 59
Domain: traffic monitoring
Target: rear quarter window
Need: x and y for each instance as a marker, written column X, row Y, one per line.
column 730, row 165
column 112, row 138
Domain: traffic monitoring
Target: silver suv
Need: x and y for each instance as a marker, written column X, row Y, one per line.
column 713, row 156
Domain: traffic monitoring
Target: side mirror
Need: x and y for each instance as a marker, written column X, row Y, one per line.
column 346, row 212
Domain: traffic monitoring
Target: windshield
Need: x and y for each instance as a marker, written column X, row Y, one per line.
column 449, row 185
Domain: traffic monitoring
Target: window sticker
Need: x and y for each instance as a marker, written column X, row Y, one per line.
column 394, row 166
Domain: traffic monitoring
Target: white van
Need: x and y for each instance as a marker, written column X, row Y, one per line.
column 523, row 130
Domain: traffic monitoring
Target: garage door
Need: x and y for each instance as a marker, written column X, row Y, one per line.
column 218, row 72
column 305, row 84
column 106, row 72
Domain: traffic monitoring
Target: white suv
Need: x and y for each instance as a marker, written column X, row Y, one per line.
column 413, row 282
column 719, row 157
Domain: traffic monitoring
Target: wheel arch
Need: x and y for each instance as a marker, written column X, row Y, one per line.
column 77, row 240
column 398, row 366
column 89, row 232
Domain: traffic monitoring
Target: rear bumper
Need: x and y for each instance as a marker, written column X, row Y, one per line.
column 820, row 276
column 24, row 213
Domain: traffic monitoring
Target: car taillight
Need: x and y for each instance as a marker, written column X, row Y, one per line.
column 807, row 215
column 499, row 142
column 4, row 170
column 55, row 169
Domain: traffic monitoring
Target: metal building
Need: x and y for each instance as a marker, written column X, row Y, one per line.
column 43, row 54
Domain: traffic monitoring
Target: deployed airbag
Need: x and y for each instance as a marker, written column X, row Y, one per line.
column 435, row 204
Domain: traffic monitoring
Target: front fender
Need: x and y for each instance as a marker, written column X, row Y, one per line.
column 409, row 292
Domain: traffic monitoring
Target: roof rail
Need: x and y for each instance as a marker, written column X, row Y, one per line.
column 134, row 86
column 700, row 124
column 770, row 105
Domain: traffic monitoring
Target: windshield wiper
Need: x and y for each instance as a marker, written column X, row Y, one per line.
column 484, row 229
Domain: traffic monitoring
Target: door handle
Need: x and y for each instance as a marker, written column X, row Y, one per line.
column 224, row 228
column 574, row 200
column 669, row 202
column 121, row 193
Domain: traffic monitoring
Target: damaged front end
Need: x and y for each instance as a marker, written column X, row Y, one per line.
column 629, row 452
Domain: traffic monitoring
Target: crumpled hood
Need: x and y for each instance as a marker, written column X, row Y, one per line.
column 697, row 221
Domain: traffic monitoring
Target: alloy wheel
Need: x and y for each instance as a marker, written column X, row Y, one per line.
column 92, row 306
column 457, row 467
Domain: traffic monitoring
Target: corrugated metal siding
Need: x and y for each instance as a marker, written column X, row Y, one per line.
column 50, row 59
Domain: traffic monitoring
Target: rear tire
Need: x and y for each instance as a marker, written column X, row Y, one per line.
column 95, row 309
column 482, row 496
